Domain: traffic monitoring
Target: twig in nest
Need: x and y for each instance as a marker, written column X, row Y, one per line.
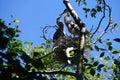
column 44, row 29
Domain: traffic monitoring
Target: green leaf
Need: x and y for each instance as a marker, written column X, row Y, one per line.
column 16, row 21
column 96, row 48
column 117, row 39
column 92, row 58
column 102, row 49
column 92, row 72
column 85, row 3
column 27, row 42
column 86, row 10
column 68, row 69
column 115, row 25
column 115, row 52
column 104, row 69
column 93, row 12
column 108, row 43
column 102, row 54
column 89, row 47
column 93, row 15
column 98, row 75
column 95, row 63
column 100, row 66
column 99, row 8
column 107, row 58
column 110, row 48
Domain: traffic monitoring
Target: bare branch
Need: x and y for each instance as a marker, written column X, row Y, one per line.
column 108, row 25
column 99, row 24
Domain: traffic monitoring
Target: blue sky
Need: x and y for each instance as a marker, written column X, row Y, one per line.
column 36, row 13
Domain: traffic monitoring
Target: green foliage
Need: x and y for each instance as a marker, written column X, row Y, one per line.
column 15, row 63
column 19, row 62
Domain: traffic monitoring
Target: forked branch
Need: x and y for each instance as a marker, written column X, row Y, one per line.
column 109, row 22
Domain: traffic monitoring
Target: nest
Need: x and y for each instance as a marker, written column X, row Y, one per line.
column 60, row 47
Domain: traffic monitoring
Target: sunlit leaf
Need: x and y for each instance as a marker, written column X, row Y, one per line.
column 42, row 48
column 72, row 53
column 16, row 21
column 105, row 62
column 68, row 69
column 98, row 75
column 101, row 58
column 27, row 42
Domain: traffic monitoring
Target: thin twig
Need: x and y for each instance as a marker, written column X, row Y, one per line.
column 99, row 24
column 91, row 29
column 108, row 25
column 44, row 31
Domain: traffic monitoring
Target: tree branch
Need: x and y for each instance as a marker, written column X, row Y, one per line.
column 73, row 14
column 99, row 21
column 58, row 72
column 108, row 25
column 81, row 38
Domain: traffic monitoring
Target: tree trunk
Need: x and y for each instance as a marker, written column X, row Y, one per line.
column 78, row 21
